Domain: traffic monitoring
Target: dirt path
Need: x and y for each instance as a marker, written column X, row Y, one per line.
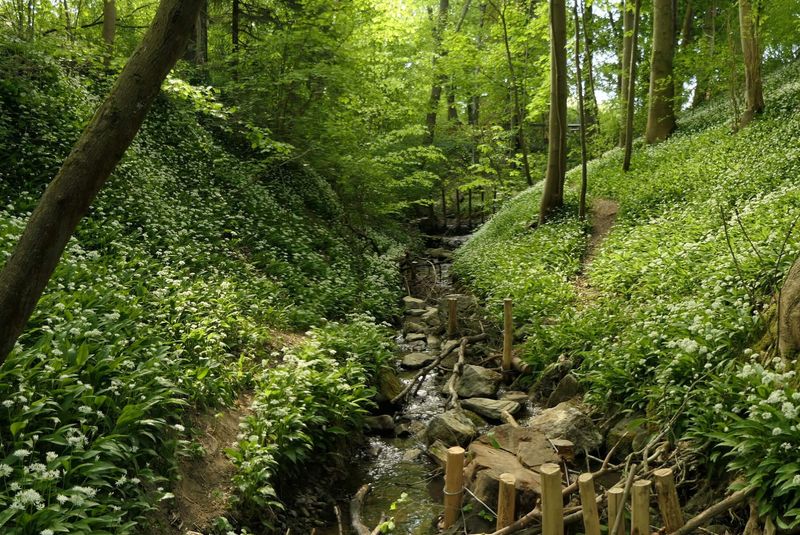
column 603, row 215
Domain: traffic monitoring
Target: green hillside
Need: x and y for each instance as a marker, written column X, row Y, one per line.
column 706, row 233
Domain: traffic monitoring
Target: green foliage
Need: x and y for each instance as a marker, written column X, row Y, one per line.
column 167, row 296
column 676, row 311
column 307, row 405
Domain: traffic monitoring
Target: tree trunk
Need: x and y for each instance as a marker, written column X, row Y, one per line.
column 581, row 108
column 521, row 139
column 751, row 49
column 661, row 112
column 627, row 43
column 591, row 108
column 201, row 35
column 789, row 314
column 109, row 27
column 438, row 78
column 553, row 193
column 87, row 168
column 626, row 162
column 702, row 89
column 235, row 15
column 452, row 111
column 686, row 29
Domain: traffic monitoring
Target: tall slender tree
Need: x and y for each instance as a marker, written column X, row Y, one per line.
column 587, row 71
column 627, row 45
column 87, row 168
column 631, row 91
column 661, row 110
column 438, row 78
column 581, row 109
column 109, row 24
column 553, row 193
column 749, row 19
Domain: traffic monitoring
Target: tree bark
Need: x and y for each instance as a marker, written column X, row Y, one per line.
column 438, row 78
column 626, row 162
column 201, row 35
column 789, row 314
column 702, row 89
column 235, row 15
column 581, row 108
column 661, row 112
column 87, row 168
column 591, row 109
column 109, row 23
column 627, row 43
column 751, row 49
column 553, row 193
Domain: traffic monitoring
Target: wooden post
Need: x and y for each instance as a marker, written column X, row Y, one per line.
column 591, row 518
column 668, row 502
column 552, row 500
column 508, row 333
column 453, row 485
column 452, row 316
column 506, row 500
column 640, row 508
column 614, row 505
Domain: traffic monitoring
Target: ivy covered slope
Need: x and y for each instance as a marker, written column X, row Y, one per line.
column 683, row 287
column 199, row 250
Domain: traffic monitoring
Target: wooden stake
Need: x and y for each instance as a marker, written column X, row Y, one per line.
column 615, row 504
column 640, row 508
column 668, row 502
column 508, row 333
column 506, row 500
column 591, row 518
column 453, row 485
column 452, row 316
column 552, row 500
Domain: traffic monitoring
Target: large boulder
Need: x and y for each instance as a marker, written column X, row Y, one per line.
column 549, row 379
column 567, row 389
column 412, row 303
column 415, row 361
column 569, row 420
column 478, row 382
column 389, row 385
column 452, row 428
column 381, row 424
column 491, row 408
column 514, row 450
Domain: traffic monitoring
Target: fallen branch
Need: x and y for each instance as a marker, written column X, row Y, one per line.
column 715, row 510
column 458, row 369
column 355, row 511
column 424, row 371
column 507, row 418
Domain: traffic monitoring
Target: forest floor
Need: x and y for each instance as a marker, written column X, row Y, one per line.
column 603, row 216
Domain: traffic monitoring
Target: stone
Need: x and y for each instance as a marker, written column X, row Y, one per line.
column 434, row 342
column 415, row 312
column 452, row 428
column 569, row 420
column 414, row 327
column 450, row 345
column 530, row 446
column 412, row 455
column 440, row 253
column 438, row 453
column 475, row 418
column 514, row 395
column 389, row 385
column 430, row 314
column 548, row 380
column 478, row 382
column 415, row 361
column 635, row 439
column 412, row 303
column 416, row 337
column 382, row 423
column 491, row 408
column 488, row 463
column 567, row 389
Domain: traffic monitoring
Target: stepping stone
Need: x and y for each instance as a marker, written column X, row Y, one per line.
column 452, row 428
column 412, row 303
column 414, row 361
column 491, row 408
column 478, row 382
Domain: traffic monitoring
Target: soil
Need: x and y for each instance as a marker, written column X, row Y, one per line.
column 603, row 215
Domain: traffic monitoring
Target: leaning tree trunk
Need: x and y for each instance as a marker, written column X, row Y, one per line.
column 87, row 168
column 553, row 193
column 627, row 43
column 748, row 23
column 661, row 112
column 789, row 314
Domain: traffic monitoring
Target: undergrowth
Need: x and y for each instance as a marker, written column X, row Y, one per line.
column 706, row 234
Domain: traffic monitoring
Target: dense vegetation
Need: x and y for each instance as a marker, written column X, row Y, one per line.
column 686, row 281
column 282, row 171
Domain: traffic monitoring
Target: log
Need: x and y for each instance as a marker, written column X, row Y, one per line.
column 355, row 511
column 668, row 502
column 552, row 500
column 508, row 334
column 615, row 504
column 453, row 485
column 458, row 369
column 640, row 508
column 715, row 510
column 506, row 500
column 591, row 517
column 452, row 316
column 508, row 418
